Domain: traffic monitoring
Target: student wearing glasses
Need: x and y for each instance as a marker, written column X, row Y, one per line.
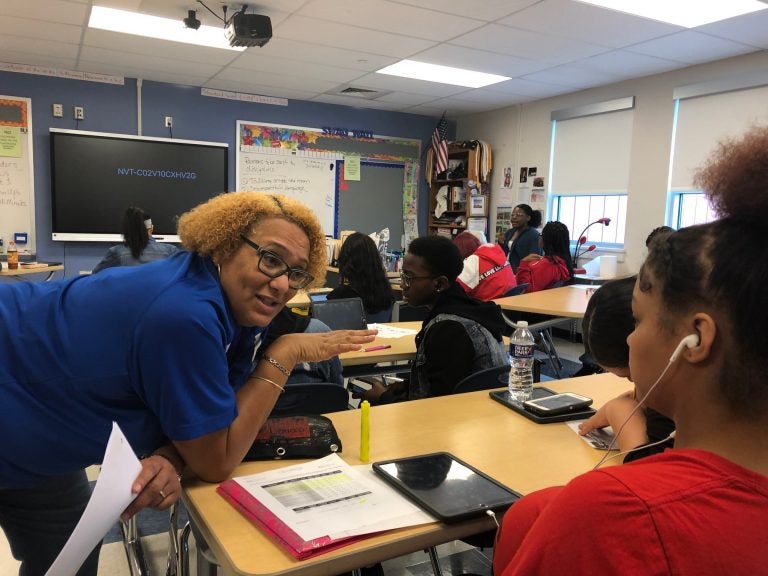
column 522, row 238
column 170, row 350
column 459, row 336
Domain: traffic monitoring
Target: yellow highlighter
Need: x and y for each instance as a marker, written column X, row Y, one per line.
column 365, row 431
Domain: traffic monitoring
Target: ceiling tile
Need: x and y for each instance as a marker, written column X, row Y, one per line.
column 690, row 47
column 391, row 17
column 387, row 82
column 123, row 60
column 487, row 10
column 255, row 61
column 480, row 60
column 522, row 43
column 747, row 29
column 152, row 47
column 628, row 64
column 319, row 54
column 588, row 23
column 352, row 38
column 575, row 76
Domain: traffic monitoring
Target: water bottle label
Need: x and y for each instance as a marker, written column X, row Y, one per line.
column 522, row 351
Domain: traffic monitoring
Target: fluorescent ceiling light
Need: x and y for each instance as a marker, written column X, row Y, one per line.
column 442, row 74
column 156, row 27
column 688, row 13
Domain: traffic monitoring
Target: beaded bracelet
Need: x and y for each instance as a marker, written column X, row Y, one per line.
column 275, row 384
column 277, row 365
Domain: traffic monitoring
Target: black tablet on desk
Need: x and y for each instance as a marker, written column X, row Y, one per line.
column 446, row 487
column 503, row 397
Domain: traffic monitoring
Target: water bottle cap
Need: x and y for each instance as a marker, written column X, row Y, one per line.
column 522, row 324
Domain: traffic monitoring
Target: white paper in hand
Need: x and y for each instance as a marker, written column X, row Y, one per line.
column 110, row 497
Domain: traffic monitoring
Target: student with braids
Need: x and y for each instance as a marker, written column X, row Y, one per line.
column 698, row 355
column 138, row 246
column 555, row 268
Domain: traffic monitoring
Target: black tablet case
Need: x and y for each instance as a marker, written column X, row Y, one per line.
column 473, row 509
column 503, row 397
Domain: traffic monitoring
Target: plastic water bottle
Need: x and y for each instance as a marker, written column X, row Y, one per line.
column 521, row 363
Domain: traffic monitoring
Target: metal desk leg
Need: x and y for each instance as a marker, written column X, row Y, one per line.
column 137, row 564
column 434, row 560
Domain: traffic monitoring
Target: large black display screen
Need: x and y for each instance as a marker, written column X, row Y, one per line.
column 96, row 176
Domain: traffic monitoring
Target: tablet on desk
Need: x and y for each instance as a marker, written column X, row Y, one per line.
column 446, row 487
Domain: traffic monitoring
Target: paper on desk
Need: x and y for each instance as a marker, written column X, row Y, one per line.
column 599, row 438
column 110, row 497
column 328, row 497
column 386, row 331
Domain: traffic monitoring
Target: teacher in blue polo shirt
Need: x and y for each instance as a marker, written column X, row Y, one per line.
column 170, row 350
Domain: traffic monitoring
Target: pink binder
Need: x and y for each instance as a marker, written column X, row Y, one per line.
column 260, row 515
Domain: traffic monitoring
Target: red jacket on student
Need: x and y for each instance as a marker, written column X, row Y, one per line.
column 487, row 274
column 543, row 273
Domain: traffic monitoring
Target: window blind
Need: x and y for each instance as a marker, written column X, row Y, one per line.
column 703, row 121
column 590, row 154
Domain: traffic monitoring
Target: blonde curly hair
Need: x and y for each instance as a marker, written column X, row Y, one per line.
column 214, row 228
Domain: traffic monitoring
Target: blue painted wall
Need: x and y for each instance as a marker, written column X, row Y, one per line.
column 114, row 108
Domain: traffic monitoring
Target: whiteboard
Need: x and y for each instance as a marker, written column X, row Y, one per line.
column 17, row 197
column 306, row 176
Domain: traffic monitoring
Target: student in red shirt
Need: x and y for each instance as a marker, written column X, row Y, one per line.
column 698, row 355
column 487, row 273
column 555, row 268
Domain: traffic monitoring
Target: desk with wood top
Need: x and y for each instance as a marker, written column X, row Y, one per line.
column 565, row 302
column 512, row 449
column 403, row 348
column 24, row 271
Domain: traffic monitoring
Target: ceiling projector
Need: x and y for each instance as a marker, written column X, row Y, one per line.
column 249, row 30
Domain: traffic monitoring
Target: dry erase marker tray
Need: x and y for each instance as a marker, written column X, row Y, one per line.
column 503, row 397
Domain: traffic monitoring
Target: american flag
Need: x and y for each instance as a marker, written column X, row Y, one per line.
column 440, row 145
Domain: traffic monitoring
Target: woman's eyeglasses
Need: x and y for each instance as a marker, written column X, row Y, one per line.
column 407, row 279
column 273, row 266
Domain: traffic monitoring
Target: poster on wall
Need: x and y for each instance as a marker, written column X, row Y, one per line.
column 507, row 180
column 503, row 216
column 538, row 194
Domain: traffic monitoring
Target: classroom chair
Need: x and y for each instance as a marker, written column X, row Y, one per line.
column 403, row 312
column 488, row 379
column 519, row 289
column 312, row 398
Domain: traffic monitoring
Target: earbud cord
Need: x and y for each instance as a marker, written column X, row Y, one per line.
column 606, row 457
column 672, row 435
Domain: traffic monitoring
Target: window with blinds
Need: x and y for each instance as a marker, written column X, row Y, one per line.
column 590, row 169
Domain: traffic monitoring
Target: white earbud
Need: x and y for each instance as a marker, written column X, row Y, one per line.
column 690, row 341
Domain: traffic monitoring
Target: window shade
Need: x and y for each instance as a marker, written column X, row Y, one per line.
column 591, row 154
column 705, row 120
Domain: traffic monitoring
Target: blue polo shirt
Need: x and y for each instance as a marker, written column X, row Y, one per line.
column 154, row 348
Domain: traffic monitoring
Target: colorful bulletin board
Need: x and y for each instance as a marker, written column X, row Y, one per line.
column 17, row 197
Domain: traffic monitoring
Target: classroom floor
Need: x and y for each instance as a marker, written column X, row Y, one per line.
column 455, row 557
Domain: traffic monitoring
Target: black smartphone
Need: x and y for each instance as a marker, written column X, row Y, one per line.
column 558, row 404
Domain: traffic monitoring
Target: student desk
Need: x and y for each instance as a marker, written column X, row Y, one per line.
column 403, row 348
column 23, row 271
column 301, row 298
column 512, row 449
column 565, row 302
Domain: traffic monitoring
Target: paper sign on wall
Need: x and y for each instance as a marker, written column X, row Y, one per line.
column 352, row 168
